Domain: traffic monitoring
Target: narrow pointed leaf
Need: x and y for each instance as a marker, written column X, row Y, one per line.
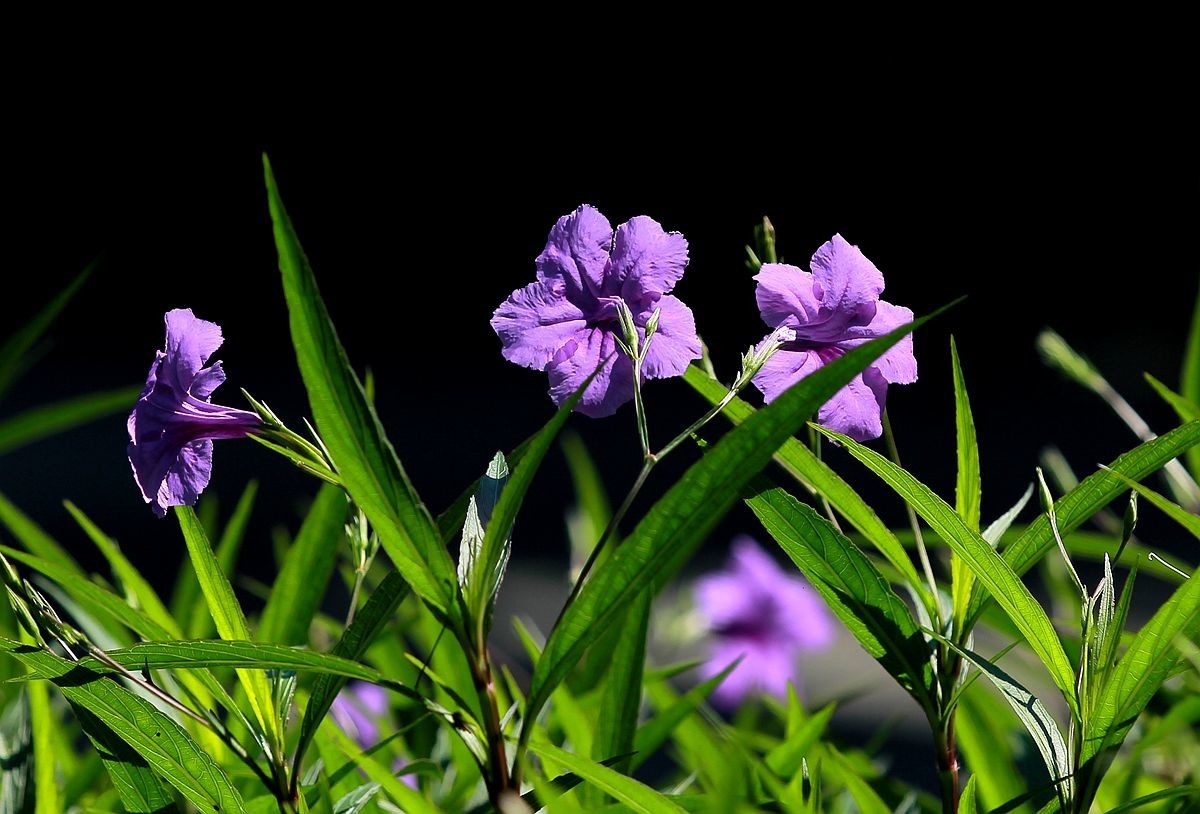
column 637, row 796
column 187, row 605
column 1095, row 492
column 967, row 803
column 977, row 554
column 852, row 588
column 621, row 693
column 45, row 761
column 14, row 351
column 227, row 615
column 967, row 492
column 33, row 539
column 164, row 745
column 140, row 789
column 1149, row 660
column 1173, row 510
column 808, row 469
column 364, row 458
column 654, row 733
column 677, row 524
column 1038, row 721
column 298, row 590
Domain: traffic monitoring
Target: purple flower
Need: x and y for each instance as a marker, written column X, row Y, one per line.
column 765, row 616
column 834, row 309
column 566, row 321
column 357, row 710
column 172, row 426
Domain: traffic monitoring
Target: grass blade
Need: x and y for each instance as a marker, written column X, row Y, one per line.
column 228, row 616
column 13, row 353
column 967, row 492
column 350, row 428
column 637, row 796
column 621, row 693
column 51, row 419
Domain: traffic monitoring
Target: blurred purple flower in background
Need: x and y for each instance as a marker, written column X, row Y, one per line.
column 357, row 710
column 172, row 426
column 762, row 614
column 566, row 321
column 834, row 308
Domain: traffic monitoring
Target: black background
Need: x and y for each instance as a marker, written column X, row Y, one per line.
column 1041, row 212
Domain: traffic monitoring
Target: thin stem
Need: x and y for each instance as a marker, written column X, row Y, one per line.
column 639, row 407
column 359, row 577
column 814, row 441
column 922, row 554
column 698, row 424
column 613, row 522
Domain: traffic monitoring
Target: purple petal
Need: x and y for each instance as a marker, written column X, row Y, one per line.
column 356, row 721
column 675, row 344
column 190, row 341
column 535, row 321
column 723, row 601
column 856, row 409
column 783, row 369
column 786, row 295
column 765, row 668
column 186, row 477
column 846, row 278
column 208, row 380
column 647, row 261
column 576, row 253
column 576, row 361
column 371, row 697
column 899, row 364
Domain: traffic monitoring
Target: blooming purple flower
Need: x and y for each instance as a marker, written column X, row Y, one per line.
column 172, row 426
column 833, row 309
column 565, row 322
column 357, row 710
column 767, row 617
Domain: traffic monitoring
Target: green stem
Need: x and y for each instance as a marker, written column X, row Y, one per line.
column 922, row 553
column 947, row 757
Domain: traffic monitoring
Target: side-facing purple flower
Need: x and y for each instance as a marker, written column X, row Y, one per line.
column 565, row 322
column 358, row 709
column 758, row 612
column 173, row 424
column 834, row 308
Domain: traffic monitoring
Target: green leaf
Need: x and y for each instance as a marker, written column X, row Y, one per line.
column 298, row 590
column 351, row 430
column 1189, row 379
column 129, row 576
column 967, row 803
column 637, row 796
column 853, row 588
column 968, row 492
column 977, row 554
column 1106, row 656
column 679, row 522
column 140, row 789
column 982, row 726
column 228, row 616
column 368, row 623
column 164, row 745
column 187, row 605
column 51, row 419
column 655, row 732
column 1172, row 510
column 1093, row 494
column 1158, row 796
column 411, row 801
column 192, row 655
column 1037, row 720
column 621, row 688
column 41, row 718
column 787, row 758
column 16, row 755
column 815, row 474
column 14, row 352
column 1149, row 660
